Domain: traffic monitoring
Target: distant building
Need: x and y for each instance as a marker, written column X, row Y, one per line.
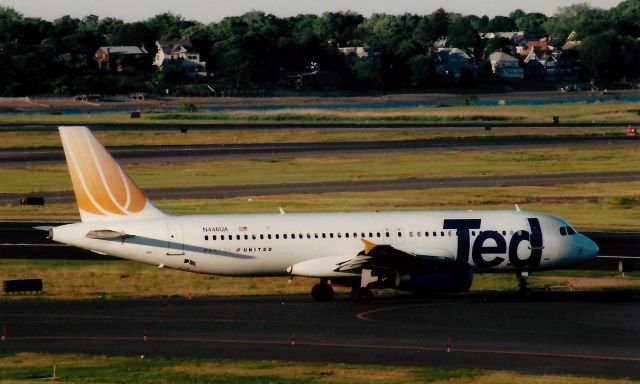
column 120, row 58
column 179, row 55
column 572, row 42
column 513, row 36
column 506, row 66
column 452, row 62
column 441, row 42
column 551, row 66
column 352, row 54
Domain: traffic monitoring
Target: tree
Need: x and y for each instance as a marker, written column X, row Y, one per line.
column 440, row 23
column 532, row 24
column 423, row 69
column 501, row 24
column 496, row 44
column 462, row 35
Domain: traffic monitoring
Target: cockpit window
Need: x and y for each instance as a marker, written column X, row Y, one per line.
column 571, row 231
column 563, row 231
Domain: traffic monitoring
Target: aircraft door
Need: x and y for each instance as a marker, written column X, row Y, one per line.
column 175, row 239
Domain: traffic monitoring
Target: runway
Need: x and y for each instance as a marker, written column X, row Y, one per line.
column 595, row 334
column 187, row 152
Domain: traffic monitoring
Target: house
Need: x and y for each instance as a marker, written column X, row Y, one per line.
column 513, row 36
column 506, row 66
column 179, row 55
column 551, row 66
column 572, row 42
column 353, row 54
column 120, row 59
column 452, row 62
column 441, row 42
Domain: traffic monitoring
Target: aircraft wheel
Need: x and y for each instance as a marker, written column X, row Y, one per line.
column 322, row 292
column 361, row 295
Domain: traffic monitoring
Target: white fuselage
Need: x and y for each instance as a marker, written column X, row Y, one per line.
column 267, row 244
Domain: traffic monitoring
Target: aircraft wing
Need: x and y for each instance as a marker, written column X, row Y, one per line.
column 386, row 256
column 373, row 257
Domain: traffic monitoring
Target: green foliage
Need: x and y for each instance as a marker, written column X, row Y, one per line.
column 188, row 107
column 256, row 50
column 501, row 24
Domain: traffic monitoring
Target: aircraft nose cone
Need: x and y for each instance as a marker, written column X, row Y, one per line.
column 589, row 248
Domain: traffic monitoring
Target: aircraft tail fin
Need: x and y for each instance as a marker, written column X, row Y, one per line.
column 103, row 190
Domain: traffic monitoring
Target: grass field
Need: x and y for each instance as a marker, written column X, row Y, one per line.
column 36, row 368
column 587, row 206
column 335, row 167
column 608, row 112
column 84, row 279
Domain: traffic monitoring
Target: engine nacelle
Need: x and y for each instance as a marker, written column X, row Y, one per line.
column 435, row 280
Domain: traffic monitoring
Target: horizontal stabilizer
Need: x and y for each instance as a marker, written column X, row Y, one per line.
column 107, row 234
column 43, row 227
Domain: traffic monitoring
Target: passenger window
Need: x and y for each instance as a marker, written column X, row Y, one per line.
column 331, row 235
column 214, row 237
column 399, row 234
column 284, row 236
column 339, row 235
column 316, row 235
column 435, row 233
column 206, row 237
column 355, row 235
column 346, row 235
column 308, row 235
column 362, row 235
column 378, row 234
column 261, row 237
column 237, row 237
column 418, row 234
column 370, row 235
column 269, row 236
column 387, row 234
column 563, row 231
column 411, row 234
column 504, row 233
column 426, row 234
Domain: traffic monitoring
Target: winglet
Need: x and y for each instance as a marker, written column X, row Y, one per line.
column 368, row 246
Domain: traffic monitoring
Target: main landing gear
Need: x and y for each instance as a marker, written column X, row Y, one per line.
column 322, row 291
column 523, row 283
column 361, row 295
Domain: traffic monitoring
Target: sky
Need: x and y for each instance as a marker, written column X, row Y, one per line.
column 207, row 11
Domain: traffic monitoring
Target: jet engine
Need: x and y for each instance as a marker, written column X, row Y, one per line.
column 449, row 279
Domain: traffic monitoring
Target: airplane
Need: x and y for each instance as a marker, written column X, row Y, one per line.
column 419, row 251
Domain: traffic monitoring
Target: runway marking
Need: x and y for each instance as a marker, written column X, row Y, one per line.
column 335, row 345
column 363, row 315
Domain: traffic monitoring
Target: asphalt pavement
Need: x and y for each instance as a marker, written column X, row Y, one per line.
column 586, row 333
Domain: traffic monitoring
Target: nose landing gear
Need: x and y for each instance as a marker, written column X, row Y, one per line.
column 523, row 283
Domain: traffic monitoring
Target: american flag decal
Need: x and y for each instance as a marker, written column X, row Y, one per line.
column 242, row 228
